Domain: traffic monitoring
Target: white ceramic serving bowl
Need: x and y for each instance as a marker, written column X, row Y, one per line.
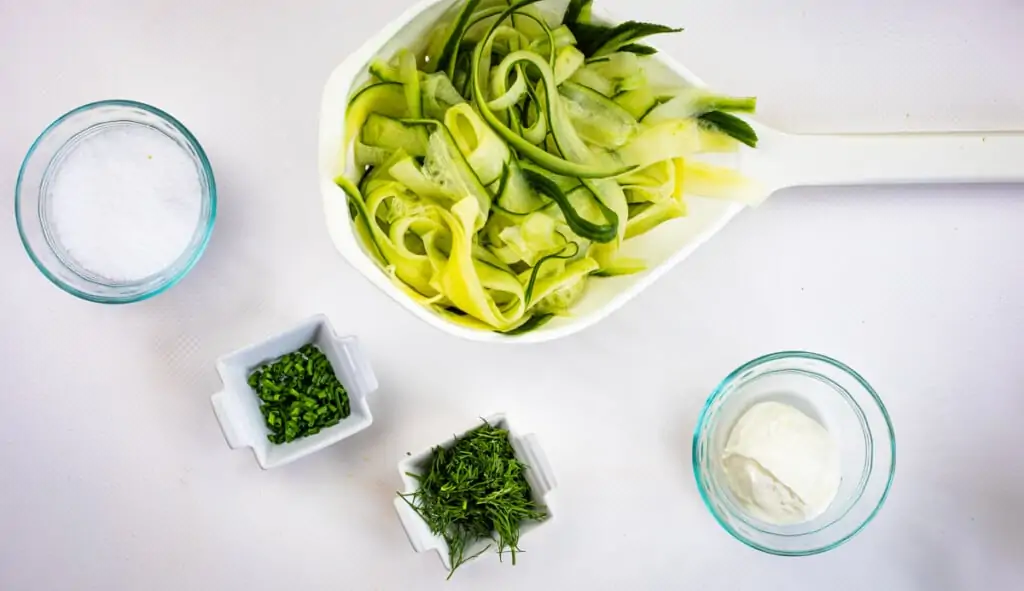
column 538, row 475
column 662, row 248
column 781, row 160
column 238, row 408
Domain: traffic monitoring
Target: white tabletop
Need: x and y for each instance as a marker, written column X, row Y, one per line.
column 115, row 476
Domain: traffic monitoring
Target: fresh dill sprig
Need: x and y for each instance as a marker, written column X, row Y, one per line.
column 475, row 489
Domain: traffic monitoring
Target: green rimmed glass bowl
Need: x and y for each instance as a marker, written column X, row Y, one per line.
column 838, row 398
column 33, row 205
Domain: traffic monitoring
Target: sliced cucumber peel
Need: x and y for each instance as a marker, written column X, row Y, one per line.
column 501, row 168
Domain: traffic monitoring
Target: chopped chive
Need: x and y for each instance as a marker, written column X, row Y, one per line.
column 299, row 395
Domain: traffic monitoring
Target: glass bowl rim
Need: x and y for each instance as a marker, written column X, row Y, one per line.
column 717, row 394
column 197, row 250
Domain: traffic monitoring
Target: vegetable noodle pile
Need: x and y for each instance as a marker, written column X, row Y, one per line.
column 504, row 167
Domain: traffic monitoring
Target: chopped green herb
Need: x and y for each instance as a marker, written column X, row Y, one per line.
column 639, row 49
column 730, row 125
column 299, row 395
column 472, row 490
column 598, row 40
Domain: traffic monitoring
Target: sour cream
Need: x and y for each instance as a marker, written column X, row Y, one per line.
column 782, row 465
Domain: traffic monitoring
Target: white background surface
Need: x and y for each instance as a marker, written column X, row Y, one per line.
column 114, row 474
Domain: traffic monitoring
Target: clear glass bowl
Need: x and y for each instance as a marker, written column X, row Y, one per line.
column 838, row 398
column 32, row 200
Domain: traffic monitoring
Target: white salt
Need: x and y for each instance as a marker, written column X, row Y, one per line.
column 125, row 202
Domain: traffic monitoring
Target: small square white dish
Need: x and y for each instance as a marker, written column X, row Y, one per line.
column 237, row 406
column 538, row 474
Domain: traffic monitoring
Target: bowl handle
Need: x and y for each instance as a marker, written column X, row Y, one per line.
column 787, row 160
column 538, row 463
column 415, row 529
column 223, row 407
column 365, row 379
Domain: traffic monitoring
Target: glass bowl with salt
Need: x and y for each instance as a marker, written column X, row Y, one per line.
column 115, row 201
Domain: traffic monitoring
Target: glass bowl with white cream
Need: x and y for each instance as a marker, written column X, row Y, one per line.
column 115, row 201
column 794, row 453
